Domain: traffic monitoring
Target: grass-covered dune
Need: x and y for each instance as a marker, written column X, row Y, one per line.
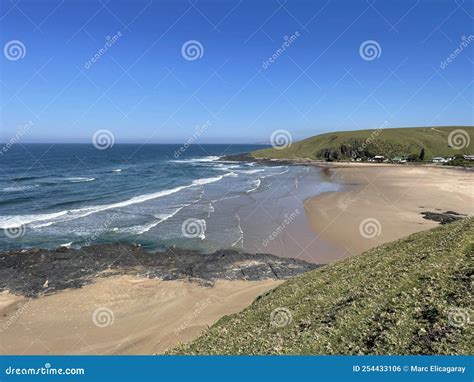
column 412, row 296
column 417, row 143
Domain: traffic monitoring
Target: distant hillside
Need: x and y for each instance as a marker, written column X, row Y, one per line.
column 412, row 296
column 416, row 143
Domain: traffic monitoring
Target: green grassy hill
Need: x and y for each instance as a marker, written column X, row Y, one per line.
column 368, row 143
column 412, row 296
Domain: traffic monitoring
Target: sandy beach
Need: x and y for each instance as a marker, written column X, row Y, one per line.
column 129, row 314
column 384, row 203
column 133, row 315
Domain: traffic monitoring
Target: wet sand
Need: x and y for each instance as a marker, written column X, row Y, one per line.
column 383, row 203
column 133, row 315
column 138, row 315
column 276, row 222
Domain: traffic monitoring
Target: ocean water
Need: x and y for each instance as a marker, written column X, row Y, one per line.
column 75, row 195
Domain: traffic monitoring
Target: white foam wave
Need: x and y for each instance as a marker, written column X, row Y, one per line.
column 223, row 167
column 10, row 221
column 240, row 240
column 278, row 173
column 257, row 184
column 140, row 229
column 210, row 158
column 252, row 171
column 207, row 180
column 79, row 179
column 19, row 188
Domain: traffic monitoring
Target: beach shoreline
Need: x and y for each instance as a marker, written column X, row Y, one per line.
column 155, row 304
column 374, row 197
column 122, row 299
column 120, row 315
column 382, row 203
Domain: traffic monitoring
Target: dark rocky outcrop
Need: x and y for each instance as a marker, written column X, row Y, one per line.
column 442, row 218
column 246, row 157
column 37, row 271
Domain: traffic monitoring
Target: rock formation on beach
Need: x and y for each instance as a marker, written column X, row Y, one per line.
column 37, row 271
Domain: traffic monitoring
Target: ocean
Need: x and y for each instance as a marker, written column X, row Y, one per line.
column 153, row 195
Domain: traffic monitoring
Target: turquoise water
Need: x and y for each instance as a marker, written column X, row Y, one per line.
column 75, row 195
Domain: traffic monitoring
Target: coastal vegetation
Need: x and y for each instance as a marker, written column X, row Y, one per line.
column 410, row 144
column 459, row 160
column 411, row 296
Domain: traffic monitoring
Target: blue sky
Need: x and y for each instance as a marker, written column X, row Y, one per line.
column 143, row 90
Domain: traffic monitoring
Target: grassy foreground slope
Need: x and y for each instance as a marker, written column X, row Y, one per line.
column 412, row 296
column 368, row 143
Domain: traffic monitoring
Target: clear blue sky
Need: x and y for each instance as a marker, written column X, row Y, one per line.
column 143, row 90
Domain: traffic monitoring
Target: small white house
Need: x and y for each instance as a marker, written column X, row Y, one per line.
column 379, row 158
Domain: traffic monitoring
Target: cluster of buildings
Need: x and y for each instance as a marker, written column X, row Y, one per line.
column 382, row 159
column 401, row 159
column 446, row 160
